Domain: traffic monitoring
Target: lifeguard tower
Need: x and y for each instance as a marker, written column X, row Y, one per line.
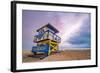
column 47, row 40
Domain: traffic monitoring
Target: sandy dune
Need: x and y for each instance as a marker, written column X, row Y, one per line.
column 62, row 56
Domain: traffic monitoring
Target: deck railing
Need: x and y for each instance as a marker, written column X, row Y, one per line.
column 47, row 35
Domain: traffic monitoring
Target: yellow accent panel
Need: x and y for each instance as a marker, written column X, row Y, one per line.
column 53, row 45
column 49, row 52
column 43, row 42
column 54, row 42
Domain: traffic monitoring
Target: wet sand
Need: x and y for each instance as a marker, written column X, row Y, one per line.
column 61, row 56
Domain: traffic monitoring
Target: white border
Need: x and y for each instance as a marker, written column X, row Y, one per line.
column 37, row 65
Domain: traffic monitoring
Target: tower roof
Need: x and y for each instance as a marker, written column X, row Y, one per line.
column 50, row 27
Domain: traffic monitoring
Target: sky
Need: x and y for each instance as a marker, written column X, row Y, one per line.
column 74, row 28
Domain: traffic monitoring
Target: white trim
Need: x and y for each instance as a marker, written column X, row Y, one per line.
column 36, row 65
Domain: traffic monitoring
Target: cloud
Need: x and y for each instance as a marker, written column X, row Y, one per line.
column 80, row 35
column 83, row 40
column 74, row 28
